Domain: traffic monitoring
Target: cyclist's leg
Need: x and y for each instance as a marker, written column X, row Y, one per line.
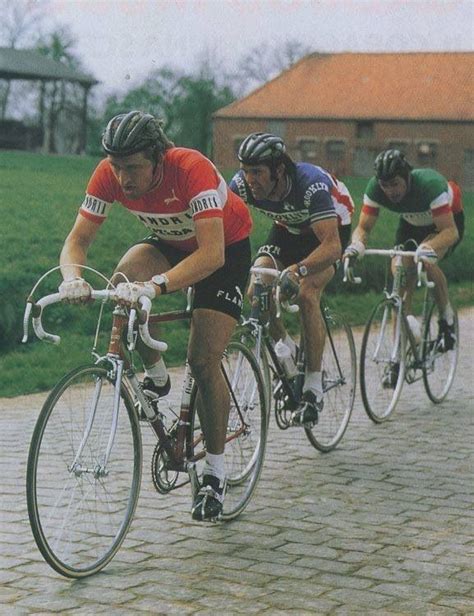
column 313, row 328
column 218, row 302
column 409, row 236
column 278, row 249
column 138, row 264
column 313, row 331
column 210, row 333
column 446, row 314
column 277, row 327
column 288, row 249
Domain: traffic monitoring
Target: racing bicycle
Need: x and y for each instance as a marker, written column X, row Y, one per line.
column 85, row 458
column 392, row 353
column 339, row 364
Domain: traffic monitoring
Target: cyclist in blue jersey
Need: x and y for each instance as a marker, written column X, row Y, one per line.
column 311, row 212
column 431, row 221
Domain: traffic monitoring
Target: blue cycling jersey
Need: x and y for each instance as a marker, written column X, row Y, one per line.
column 313, row 195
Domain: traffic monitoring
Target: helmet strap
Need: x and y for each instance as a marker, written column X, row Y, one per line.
column 274, row 177
column 276, row 181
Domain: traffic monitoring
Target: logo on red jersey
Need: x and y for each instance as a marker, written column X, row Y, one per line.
column 171, row 199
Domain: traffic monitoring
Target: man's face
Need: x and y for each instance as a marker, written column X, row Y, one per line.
column 134, row 173
column 258, row 177
column 395, row 189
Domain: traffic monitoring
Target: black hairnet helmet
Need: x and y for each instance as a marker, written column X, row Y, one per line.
column 261, row 148
column 391, row 163
column 128, row 133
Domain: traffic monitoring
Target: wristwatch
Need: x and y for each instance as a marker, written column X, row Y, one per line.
column 161, row 280
column 301, row 270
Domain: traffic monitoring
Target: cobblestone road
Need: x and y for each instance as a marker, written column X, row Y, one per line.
column 382, row 525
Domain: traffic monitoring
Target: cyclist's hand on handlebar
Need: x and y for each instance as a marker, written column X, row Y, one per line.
column 289, row 284
column 75, row 291
column 128, row 293
column 355, row 250
column 424, row 252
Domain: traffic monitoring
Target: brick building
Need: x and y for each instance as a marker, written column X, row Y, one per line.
column 340, row 110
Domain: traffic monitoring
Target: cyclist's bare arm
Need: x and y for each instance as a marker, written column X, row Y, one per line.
column 447, row 233
column 364, row 227
column 329, row 249
column 76, row 247
column 201, row 263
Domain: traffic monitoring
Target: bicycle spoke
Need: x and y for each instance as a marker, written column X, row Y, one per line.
column 339, row 383
column 439, row 366
column 80, row 511
column 382, row 361
column 246, row 426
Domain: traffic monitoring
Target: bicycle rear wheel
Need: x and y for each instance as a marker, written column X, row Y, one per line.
column 246, row 426
column 439, row 366
column 382, row 361
column 339, row 367
column 79, row 509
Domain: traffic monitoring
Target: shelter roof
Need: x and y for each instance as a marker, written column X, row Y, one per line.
column 31, row 65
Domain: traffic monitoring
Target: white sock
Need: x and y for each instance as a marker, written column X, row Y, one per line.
column 291, row 344
column 449, row 314
column 314, row 382
column 215, row 465
column 157, row 373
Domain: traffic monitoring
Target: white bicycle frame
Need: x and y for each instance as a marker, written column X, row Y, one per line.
column 394, row 295
column 35, row 309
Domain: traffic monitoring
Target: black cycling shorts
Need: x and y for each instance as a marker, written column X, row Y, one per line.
column 224, row 289
column 410, row 237
column 289, row 248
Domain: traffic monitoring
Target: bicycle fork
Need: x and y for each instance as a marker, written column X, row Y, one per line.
column 100, row 470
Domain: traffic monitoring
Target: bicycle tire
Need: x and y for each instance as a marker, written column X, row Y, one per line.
column 247, row 337
column 376, row 359
column 245, row 444
column 79, row 519
column 339, row 372
column 439, row 368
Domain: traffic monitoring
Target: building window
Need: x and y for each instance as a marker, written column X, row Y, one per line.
column 427, row 153
column 398, row 144
column 308, row 149
column 363, row 161
column 277, row 127
column 335, row 150
column 365, row 130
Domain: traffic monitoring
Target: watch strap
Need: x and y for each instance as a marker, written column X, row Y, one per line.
column 161, row 280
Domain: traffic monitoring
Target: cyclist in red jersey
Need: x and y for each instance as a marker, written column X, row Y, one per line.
column 199, row 236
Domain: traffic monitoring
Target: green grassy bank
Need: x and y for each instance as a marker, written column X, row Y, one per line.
column 39, row 199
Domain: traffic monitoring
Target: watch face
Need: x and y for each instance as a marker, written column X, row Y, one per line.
column 158, row 279
column 302, row 270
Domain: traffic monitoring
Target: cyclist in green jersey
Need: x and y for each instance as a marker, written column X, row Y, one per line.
column 431, row 222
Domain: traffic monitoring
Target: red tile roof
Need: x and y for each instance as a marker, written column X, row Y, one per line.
column 433, row 86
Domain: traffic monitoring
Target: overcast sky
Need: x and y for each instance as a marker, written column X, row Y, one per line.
column 120, row 41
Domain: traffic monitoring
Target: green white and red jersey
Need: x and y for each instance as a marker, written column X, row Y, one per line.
column 429, row 195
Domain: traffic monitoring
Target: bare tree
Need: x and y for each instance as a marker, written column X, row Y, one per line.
column 264, row 62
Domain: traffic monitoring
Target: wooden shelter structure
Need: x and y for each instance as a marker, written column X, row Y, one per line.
column 29, row 65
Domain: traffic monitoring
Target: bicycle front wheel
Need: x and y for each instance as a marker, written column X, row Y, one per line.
column 246, row 426
column 439, row 365
column 339, row 368
column 81, row 505
column 382, row 361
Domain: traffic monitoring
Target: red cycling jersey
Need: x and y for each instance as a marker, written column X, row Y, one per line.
column 191, row 188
